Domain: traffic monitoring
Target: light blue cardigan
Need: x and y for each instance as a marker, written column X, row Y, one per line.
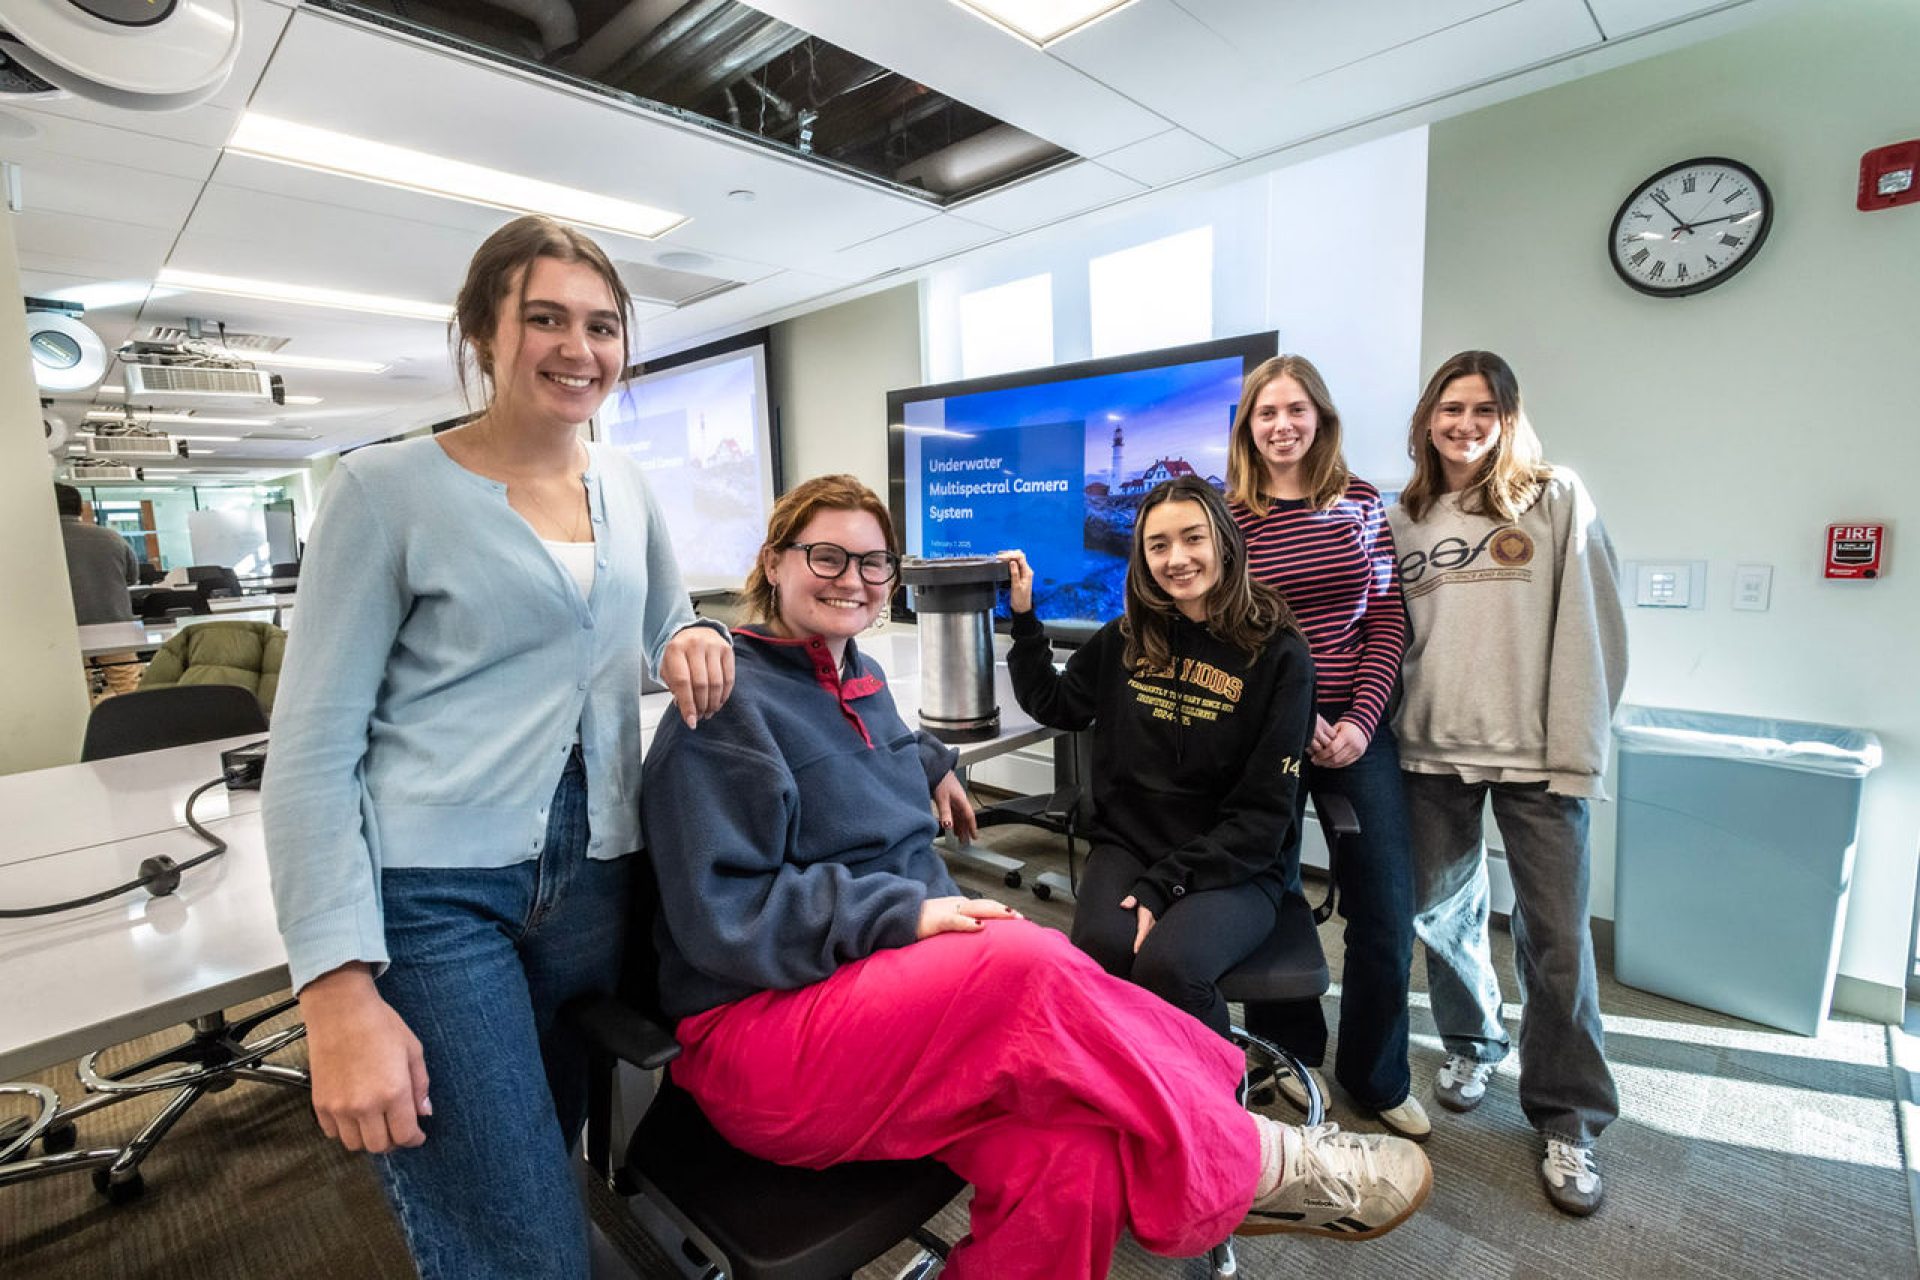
column 440, row 667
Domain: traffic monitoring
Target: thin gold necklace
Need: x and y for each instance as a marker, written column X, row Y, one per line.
column 572, row 527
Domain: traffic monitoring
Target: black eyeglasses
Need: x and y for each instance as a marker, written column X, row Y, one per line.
column 829, row 560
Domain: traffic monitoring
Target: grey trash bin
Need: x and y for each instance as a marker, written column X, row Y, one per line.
column 1735, row 850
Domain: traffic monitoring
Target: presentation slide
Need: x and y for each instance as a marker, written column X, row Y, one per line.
column 700, row 432
column 1058, row 469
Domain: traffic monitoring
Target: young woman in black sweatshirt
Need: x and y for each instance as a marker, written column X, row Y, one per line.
column 1201, row 699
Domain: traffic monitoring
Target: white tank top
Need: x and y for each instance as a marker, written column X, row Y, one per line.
column 577, row 559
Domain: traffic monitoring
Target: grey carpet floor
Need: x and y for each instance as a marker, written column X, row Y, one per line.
column 1741, row 1152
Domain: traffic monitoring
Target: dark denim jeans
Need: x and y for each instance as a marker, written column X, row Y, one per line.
column 1375, row 880
column 482, row 960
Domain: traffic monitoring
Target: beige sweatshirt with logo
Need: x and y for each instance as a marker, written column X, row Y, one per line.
column 1519, row 648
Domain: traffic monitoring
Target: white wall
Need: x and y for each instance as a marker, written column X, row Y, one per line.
column 42, row 688
column 832, row 370
column 1735, row 425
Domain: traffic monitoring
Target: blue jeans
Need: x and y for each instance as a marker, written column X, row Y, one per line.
column 1374, row 876
column 1566, row 1088
column 482, row 960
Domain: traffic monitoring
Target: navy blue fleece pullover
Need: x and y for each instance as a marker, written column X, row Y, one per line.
column 792, row 833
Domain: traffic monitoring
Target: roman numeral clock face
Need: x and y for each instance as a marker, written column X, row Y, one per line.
column 1690, row 227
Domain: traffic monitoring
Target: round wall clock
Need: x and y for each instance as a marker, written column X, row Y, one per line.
column 1690, row 227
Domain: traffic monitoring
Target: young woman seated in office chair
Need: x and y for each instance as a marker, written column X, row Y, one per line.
column 1201, row 701
column 838, row 999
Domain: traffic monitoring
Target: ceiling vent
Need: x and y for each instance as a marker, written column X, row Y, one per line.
column 89, row 471
column 238, row 343
column 133, row 448
column 160, row 384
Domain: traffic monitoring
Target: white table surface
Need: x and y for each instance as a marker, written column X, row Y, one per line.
column 136, row 964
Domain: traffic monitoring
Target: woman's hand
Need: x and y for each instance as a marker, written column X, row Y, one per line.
column 1143, row 920
column 1020, row 584
column 955, row 811
column 369, row 1075
column 961, row 915
column 697, row 668
column 1345, row 743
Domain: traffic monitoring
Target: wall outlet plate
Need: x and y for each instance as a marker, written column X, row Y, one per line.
column 1752, row 586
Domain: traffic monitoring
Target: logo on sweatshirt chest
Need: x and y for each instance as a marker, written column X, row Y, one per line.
column 1504, row 553
column 1201, row 691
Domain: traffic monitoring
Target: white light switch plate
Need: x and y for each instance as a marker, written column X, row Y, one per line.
column 1752, row 586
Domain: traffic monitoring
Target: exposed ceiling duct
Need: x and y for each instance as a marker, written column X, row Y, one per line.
column 559, row 28
column 751, row 74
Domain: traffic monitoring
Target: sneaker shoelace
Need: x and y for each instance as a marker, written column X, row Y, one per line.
column 1465, row 1071
column 1574, row 1164
column 1336, row 1164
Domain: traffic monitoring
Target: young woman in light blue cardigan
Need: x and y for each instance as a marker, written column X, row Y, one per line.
column 456, row 763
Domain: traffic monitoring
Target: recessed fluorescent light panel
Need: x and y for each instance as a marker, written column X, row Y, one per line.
column 1043, row 21
column 268, row 138
column 303, row 295
column 198, row 419
column 324, row 363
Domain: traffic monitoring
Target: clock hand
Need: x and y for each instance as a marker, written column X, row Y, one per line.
column 1705, row 222
column 1678, row 225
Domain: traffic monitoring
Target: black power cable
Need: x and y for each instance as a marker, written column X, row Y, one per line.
column 159, row 875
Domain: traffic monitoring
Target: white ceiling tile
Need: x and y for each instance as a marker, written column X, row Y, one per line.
column 105, row 143
column 1287, row 41
column 1053, row 195
column 731, row 312
column 68, row 185
column 1624, row 17
column 934, row 237
column 939, row 44
column 1164, row 159
column 51, row 241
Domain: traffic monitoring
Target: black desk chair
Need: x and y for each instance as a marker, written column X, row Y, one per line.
column 155, row 719
column 750, row 1219
column 214, row 579
column 163, row 602
column 217, row 1054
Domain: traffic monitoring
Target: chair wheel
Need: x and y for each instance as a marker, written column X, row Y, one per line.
column 58, row 1138
column 1013, row 879
column 119, row 1192
column 1042, row 891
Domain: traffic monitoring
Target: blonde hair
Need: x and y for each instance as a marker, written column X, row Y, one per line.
column 1241, row 610
column 1324, row 467
column 795, row 510
column 1514, row 473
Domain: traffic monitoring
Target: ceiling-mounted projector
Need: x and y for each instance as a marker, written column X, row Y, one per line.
column 67, row 354
column 89, row 471
column 136, row 446
column 139, row 55
column 169, row 384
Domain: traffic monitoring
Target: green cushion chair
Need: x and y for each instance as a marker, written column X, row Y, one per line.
column 227, row 651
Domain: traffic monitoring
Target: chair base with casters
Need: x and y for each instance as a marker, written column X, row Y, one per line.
column 218, row 1055
column 748, row 1218
column 1062, row 812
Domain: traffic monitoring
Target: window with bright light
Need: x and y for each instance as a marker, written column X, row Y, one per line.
column 1007, row 327
column 1158, row 294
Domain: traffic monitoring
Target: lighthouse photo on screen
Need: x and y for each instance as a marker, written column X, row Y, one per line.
column 1057, row 468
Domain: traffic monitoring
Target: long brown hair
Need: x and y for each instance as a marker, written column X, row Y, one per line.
column 1512, row 477
column 499, row 269
column 1325, row 466
column 796, row 508
column 1241, row 611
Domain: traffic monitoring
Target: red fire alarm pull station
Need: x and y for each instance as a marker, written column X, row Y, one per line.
column 1855, row 550
column 1889, row 176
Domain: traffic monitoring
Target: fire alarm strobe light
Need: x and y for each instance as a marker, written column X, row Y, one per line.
column 1889, row 176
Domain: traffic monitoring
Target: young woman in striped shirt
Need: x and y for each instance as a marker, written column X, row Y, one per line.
column 1320, row 535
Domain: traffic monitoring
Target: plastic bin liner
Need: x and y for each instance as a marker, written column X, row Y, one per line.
column 1787, row 744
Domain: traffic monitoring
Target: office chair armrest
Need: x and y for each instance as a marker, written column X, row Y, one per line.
column 1336, row 814
column 613, row 1026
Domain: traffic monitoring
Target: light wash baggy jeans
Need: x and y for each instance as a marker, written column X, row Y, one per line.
column 1566, row 1089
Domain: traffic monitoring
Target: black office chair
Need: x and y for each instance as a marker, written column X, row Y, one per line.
column 751, row 1220
column 217, row 1053
column 1065, row 811
column 164, row 602
column 214, row 579
column 155, row 719
column 150, row 573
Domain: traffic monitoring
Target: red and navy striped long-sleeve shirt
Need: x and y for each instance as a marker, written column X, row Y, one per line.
column 1337, row 570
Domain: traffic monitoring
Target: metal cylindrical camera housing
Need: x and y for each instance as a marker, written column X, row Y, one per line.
column 954, row 600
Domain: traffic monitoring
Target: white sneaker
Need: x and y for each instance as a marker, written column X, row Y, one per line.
column 1571, row 1178
column 1295, row 1091
column 1409, row 1119
column 1346, row 1185
column 1461, row 1084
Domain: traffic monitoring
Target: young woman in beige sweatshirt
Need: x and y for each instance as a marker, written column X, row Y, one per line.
column 1517, row 661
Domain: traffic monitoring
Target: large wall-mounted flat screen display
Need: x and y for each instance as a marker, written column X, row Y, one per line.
column 1055, row 461
column 700, row 425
